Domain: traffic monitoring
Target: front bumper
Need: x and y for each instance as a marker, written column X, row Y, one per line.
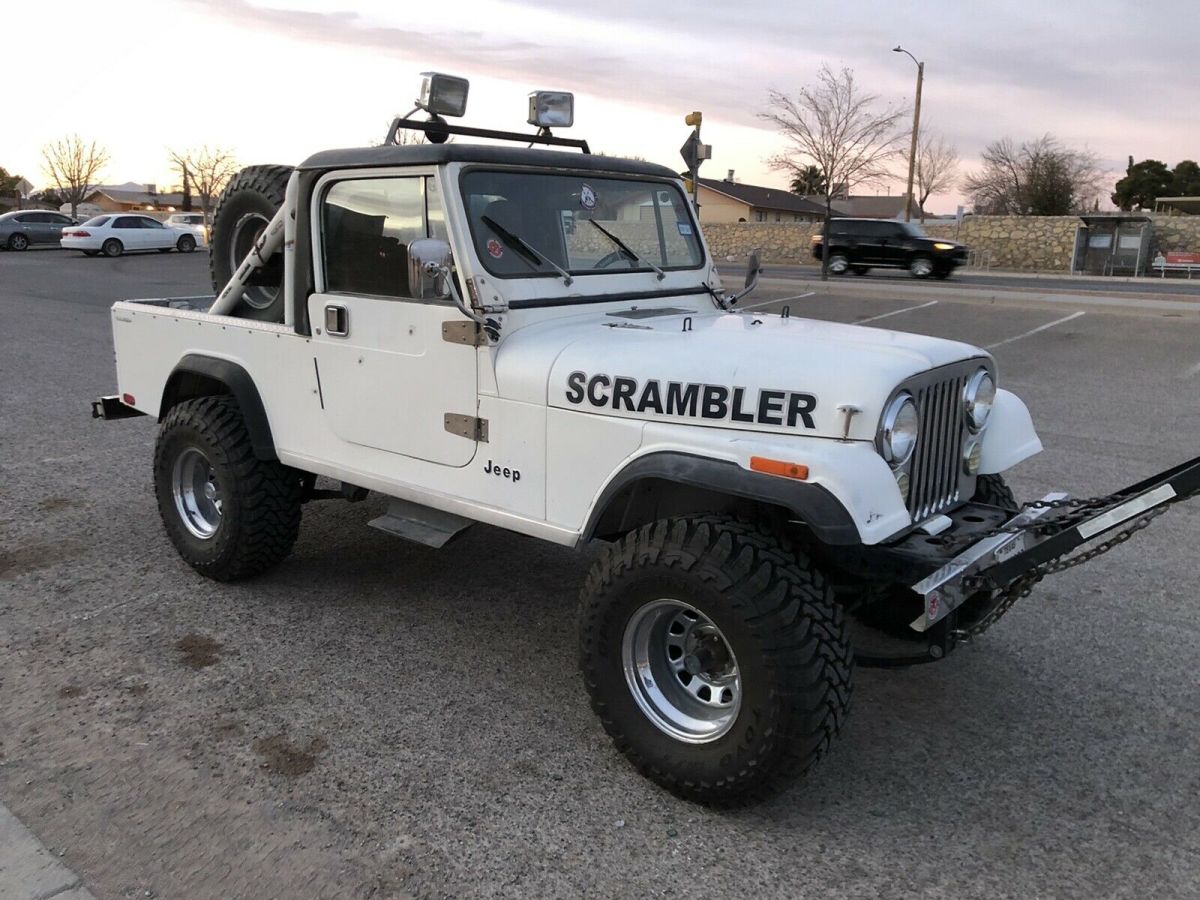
column 1034, row 537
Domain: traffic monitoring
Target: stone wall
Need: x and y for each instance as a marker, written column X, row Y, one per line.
column 1031, row 243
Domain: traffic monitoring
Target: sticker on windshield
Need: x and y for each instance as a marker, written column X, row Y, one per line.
column 685, row 228
column 494, row 248
column 587, row 197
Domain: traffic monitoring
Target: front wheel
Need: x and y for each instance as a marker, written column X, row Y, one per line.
column 229, row 514
column 838, row 264
column 715, row 657
column 185, row 244
column 921, row 267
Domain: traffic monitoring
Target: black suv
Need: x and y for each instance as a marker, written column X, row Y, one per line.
column 857, row 245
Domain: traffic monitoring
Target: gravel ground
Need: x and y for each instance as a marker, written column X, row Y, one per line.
column 376, row 719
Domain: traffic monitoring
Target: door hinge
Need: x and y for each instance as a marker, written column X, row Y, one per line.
column 467, row 426
column 463, row 332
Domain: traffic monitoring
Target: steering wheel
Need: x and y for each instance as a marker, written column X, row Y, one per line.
column 605, row 261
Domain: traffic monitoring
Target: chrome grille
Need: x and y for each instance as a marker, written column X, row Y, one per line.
column 935, row 473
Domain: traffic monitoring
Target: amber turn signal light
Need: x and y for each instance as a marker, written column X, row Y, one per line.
column 778, row 467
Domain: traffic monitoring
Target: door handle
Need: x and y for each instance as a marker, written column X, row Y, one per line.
column 337, row 320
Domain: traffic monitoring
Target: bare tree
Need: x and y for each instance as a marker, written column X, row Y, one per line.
column 73, row 166
column 936, row 168
column 1039, row 178
column 207, row 170
column 833, row 125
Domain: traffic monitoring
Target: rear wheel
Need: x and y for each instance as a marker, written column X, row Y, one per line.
column 838, row 264
column 244, row 210
column 185, row 244
column 229, row 514
column 112, row 247
column 18, row 242
column 715, row 657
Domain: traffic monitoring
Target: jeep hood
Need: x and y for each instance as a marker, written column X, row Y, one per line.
column 731, row 370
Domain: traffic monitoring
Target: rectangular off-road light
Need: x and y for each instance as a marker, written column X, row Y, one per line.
column 552, row 109
column 443, row 95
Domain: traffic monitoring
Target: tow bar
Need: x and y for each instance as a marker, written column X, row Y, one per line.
column 1010, row 560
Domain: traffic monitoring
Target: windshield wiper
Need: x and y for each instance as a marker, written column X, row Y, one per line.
column 530, row 253
column 624, row 248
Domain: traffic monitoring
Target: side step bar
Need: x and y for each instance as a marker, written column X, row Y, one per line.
column 420, row 524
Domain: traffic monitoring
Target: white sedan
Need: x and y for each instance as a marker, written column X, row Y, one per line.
column 190, row 221
column 117, row 233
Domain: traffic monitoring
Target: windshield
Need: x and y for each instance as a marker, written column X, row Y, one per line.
column 537, row 223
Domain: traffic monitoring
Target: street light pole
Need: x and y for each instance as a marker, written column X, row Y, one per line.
column 912, row 148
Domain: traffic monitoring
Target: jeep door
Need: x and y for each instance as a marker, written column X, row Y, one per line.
column 388, row 375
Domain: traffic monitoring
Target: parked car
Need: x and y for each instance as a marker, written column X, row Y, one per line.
column 858, row 245
column 114, row 234
column 20, row 228
column 191, row 221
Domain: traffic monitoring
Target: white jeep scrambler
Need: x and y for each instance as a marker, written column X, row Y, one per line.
column 539, row 340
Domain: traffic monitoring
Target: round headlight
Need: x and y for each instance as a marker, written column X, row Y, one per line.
column 978, row 397
column 899, row 433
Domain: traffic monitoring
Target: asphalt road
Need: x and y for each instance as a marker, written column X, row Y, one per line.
column 379, row 719
column 1149, row 286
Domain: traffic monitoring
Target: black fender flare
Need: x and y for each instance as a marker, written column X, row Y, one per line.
column 194, row 376
column 812, row 504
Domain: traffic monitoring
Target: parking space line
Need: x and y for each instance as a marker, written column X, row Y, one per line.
column 895, row 312
column 1033, row 331
column 777, row 300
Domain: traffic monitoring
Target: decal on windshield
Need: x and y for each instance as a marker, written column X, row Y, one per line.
column 703, row 401
column 494, row 248
column 685, row 228
column 587, row 197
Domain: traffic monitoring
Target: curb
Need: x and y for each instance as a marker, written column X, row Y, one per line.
column 29, row 871
column 975, row 293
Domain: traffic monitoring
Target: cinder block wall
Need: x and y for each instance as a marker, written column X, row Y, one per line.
column 1031, row 243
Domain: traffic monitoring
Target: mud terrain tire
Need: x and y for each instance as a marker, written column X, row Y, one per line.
column 775, row 611
column 248, row 520
column 244, row 209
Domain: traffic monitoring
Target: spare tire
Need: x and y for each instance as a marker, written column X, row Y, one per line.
column 244, row 209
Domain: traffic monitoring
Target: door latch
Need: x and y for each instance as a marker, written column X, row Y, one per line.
column 337, row 320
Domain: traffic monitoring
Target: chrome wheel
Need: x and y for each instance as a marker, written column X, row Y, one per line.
column 921, row 267
column 197, row 493
column 18, row 242
column 245, row 233
column 838, row 264
column 681, row 671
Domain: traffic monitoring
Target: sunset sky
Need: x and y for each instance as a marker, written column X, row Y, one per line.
column 278, row 79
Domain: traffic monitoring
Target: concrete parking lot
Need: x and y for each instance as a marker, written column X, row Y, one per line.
column 378, row 719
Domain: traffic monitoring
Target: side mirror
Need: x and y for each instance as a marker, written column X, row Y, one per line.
column 428, row 259
column 752, row 270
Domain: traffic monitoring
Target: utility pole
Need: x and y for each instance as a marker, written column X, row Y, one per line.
column 912, row 149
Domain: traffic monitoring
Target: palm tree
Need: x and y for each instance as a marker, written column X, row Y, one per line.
column 809, row 182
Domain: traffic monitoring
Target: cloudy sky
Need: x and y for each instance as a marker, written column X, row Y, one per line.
column 278, row 79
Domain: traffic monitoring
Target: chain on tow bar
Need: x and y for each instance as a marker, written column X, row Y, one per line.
column 1081, row 508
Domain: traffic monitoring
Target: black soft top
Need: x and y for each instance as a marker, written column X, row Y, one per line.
column 434, row 154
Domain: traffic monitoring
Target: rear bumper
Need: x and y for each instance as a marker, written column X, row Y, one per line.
column 113, row 407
